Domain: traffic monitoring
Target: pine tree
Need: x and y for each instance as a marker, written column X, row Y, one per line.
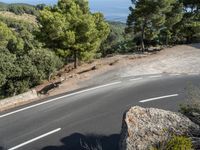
column 148, row 18
column 71, row 29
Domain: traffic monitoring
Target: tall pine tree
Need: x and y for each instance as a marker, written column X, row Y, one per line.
column 71, row 29
column 148, row 18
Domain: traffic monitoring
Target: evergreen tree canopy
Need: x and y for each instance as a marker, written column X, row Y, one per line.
column 165, row 21
column 71, row 29
column 149, row 17
column 190, row 24
column 23, row 62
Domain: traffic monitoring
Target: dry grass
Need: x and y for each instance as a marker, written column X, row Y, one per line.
column 24, row 17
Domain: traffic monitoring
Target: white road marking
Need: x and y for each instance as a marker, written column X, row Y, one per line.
column 136, row 79
column 175, row 74
column 35, row 139
column 194, row 74
column 124, row 76
column 157, row 98
column 72, row 94
column 156, row 76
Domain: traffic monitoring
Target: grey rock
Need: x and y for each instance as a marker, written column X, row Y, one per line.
column 145, row 127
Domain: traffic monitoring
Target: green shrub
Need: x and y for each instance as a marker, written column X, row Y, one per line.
column 175, row 143
column 179, row 143
column 24, row 63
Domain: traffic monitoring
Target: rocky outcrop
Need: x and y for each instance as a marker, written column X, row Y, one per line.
column 144, row 127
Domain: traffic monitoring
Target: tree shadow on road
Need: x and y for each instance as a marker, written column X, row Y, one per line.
column 79, row 141
column 196, row 45
column 3, row 146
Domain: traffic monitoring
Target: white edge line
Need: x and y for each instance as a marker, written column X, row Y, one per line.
column 157, row 98
column 136, row 79
column 125, row 76
column 158, row 76
column 72, row 94
column 35, row 139
column 175, row 74
column 193, row 74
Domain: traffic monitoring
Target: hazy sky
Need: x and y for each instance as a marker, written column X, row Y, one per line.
column 113, row 2
column 113, row 9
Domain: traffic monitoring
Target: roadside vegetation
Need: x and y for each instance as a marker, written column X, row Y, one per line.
column 31, row 50
column 164, row 22
column 191, row 109
column 175, row 143
column 36, row 41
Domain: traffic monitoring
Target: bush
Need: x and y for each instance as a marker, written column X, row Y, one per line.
column 23, row 64
column 175, row 143
column 45, row 61
column 179, row 143
column 18, row 25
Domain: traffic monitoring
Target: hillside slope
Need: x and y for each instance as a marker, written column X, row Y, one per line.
column 24, row 17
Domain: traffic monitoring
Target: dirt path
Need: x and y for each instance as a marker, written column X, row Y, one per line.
column 179, row 59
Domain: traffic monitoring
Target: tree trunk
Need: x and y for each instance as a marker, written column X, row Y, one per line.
column 167, row 41
column 75, row 59
column 142, row 38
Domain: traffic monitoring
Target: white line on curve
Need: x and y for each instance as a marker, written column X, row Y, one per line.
column 156, row 76
column 72, row 94
column 35, row 139
column 175, row 74
column 157, row 98
column 194, row 73
column 136, row 79
column 124, row 76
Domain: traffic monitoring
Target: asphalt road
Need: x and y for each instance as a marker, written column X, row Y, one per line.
column 94, row 115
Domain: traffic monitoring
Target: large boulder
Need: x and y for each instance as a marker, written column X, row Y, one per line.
column 145, row 127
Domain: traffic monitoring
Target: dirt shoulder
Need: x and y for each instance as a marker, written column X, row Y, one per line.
column 84, row 75
column 178, row 59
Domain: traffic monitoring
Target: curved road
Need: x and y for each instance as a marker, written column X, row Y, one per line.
column 93, row 115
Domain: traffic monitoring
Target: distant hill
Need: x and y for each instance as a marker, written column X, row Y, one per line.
column 19, row 16
column 19, row 8
column 118, row 23
column 25, row 4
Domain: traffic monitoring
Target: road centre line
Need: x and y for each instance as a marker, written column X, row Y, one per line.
column 35, row 139
column 175, row 74
column 65, row 96
column 125, row 76
column 135, row 79
column 156, row 76
column 194, row 74
column 157, row 98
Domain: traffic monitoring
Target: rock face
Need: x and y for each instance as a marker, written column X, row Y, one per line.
column 142, row 128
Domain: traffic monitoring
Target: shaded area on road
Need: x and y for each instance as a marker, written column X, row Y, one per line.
column 197, row 45
column 3, row 146
column 79, row 141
